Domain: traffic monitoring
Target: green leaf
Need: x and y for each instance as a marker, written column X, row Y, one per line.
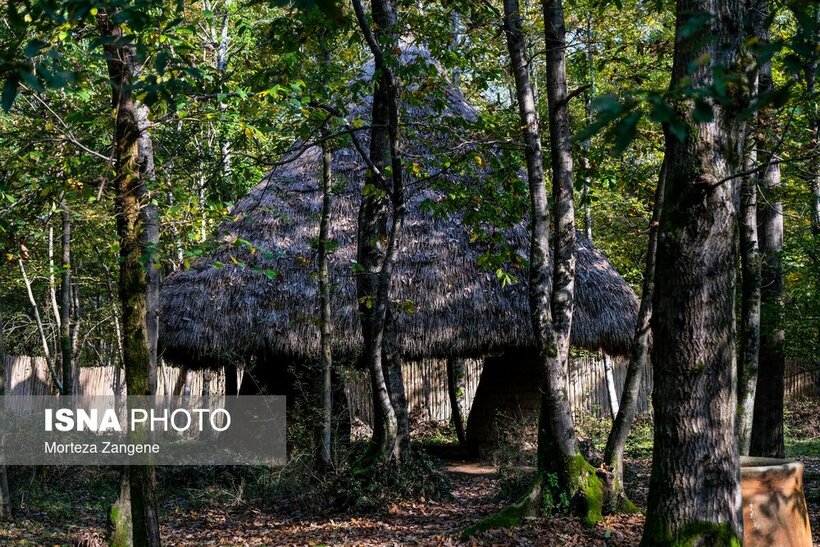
column 678, row 128
column 703, row 111
column 626, row 131
column 33, row 48
column 9, row 93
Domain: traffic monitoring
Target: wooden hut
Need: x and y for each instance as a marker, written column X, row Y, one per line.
column 255, row 297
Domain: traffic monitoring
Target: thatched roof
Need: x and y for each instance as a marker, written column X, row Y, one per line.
column 219, row 307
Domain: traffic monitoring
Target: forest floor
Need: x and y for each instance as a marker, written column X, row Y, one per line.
column 69, row 506
column 76, row 516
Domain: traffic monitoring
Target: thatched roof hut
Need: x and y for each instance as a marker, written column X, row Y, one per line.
column 258, row 291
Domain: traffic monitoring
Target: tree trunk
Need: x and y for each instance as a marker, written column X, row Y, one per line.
column 119, row 517
column 611, row 388
column 563, row 290
column 133, row 162
column 586, row 145
column 40, row 328
column 750, row 301
column 558, row 452
column 221, row 68
column 616, row 441
column 324, row 305
column 767, row 423
column 810, row 74
column 75, row 332
column 577, row 478
column 813, row 172
column 5, row 495
column 391, row 359
column 182, row 382
column 66, row 346
column 52, row 283
column 455, row 391
column 376, row 244
column 694, row 489
column 149, row 217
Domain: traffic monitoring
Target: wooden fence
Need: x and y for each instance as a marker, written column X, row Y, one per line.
column 587, row 389
column 801, row 378
column 30, row 376
column 427, row 398
column 425, row 384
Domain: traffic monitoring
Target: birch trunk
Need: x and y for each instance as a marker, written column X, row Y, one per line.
column 586, row 145
column 611, row 388
column 52, row 282
column 40, row 328
column 221, row 68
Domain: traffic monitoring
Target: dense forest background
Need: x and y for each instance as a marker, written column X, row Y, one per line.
column 130, row 129
column 229, row 87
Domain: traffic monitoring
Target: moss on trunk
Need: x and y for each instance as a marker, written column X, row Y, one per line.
column 529, row 505
column 581, row 493
column 119, row 518
column 586, row 490
column 692, row 534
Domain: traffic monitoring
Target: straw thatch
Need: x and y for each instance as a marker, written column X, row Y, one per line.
column 228, row 304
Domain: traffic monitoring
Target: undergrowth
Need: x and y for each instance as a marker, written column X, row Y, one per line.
column 348, row 487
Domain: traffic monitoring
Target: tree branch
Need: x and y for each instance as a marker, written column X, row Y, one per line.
column 762, row 167
column 352, row 131
column 574, row 94
column 67, row 135
column 368, row 33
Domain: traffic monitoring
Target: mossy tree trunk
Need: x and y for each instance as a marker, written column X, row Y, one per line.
column 551, row 310
column 616, row 440
column 694, row 489
column 558, row 451
column 119, row 518
column 381, row 217
column 130, row 188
